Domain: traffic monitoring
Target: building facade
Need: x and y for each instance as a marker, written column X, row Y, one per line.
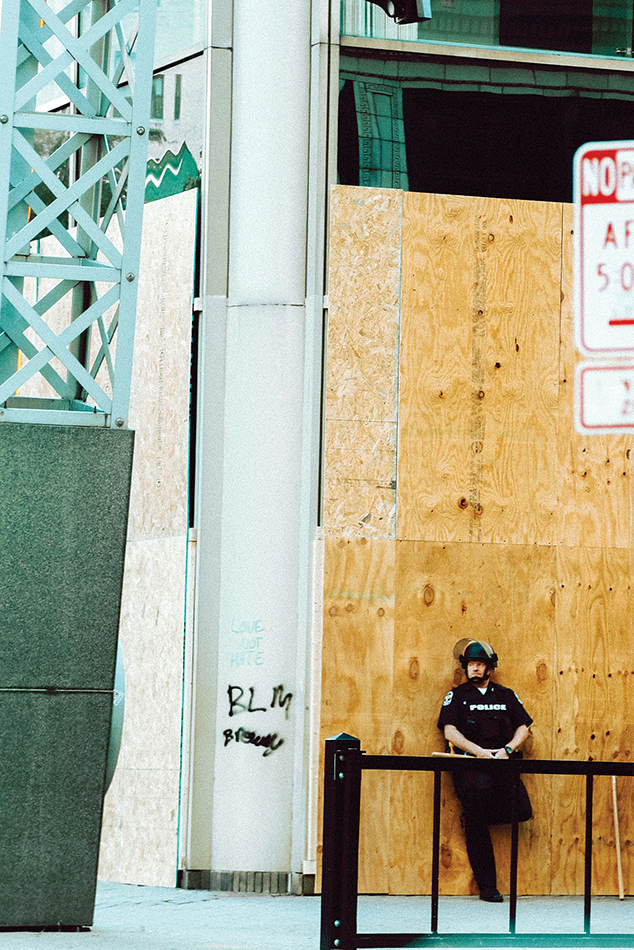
column 276, row 104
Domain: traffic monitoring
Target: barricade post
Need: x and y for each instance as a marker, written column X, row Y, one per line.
column 340, row 856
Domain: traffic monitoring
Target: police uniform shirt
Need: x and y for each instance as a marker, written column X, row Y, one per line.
column 489, row 719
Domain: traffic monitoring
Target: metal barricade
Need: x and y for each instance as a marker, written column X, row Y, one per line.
column 344, row 765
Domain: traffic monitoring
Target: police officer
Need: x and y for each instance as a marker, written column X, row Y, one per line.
column 486, row 720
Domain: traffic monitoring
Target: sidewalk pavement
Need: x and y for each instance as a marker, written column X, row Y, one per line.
column 129, row 917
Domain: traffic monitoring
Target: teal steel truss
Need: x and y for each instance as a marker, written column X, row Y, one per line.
column 74, row 126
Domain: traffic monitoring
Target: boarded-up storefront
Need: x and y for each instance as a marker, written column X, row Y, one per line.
column 459, row 501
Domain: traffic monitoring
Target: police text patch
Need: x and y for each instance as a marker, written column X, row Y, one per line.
column 487, row 706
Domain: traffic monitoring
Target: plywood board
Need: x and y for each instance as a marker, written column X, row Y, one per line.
column 478, row 369
column 420, row 664
column 487, row 454
column 360, row 487
column 594, row 708
column 140, row 830
column 159, row 405
column 362, row 367
column 387, row 690
column 357, row 677
column 445, row 592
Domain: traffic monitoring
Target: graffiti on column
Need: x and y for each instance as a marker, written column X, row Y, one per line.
column 244, row 701
column 249, row 650
column 269, row 743
column 281, row 700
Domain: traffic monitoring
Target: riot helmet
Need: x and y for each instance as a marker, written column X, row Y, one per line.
column 468, row 649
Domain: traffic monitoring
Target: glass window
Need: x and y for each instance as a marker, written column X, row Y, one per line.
column 177, row 97
column 454, row 21
column 602, row 27
column 359, row 18
column 584, row 27
column 156, row 108
column 179, row 26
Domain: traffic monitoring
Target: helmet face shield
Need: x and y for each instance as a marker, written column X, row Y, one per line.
column 468, row 649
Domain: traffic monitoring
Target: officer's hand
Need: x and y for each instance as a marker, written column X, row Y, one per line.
column 501, row 754
column 485, row 754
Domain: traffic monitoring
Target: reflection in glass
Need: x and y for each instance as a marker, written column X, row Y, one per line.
column 156, row 108
column 584, row 27
column 179, row 26
column 178, row 79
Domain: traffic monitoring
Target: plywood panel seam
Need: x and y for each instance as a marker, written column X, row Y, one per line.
column 397, row 375
column 561, row 368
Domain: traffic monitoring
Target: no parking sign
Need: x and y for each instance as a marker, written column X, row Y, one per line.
column 604, row 285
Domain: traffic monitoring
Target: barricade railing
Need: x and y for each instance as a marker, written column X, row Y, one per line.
column 344, row 764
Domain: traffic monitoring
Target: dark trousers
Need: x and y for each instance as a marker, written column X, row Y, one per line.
column 487, row 801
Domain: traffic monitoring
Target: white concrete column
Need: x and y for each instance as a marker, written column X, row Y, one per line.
column 269, row 152
column 262, row 562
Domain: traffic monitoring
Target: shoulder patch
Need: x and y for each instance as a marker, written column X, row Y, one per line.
column 448, row 698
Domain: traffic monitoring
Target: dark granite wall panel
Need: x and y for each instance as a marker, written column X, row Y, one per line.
column 53, row 750
column 64, row 496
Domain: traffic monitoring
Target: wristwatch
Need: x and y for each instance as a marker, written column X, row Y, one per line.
column 508, row 750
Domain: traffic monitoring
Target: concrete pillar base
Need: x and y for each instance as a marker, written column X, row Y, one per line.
column 255, row 882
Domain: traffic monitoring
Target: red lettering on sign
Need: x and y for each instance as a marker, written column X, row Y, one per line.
column 598, row 177
column 610, row 236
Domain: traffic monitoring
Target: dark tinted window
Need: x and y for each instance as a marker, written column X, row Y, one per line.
column 505, row 146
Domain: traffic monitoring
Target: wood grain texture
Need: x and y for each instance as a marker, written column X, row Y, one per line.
column 418, row 692
column 487, row 455
column 594, row 709
column 561, row 623
column 362, row 364
column 498, row 592
column 364, row 302
column 385, row 676
column 356, row 688
column 478, row 370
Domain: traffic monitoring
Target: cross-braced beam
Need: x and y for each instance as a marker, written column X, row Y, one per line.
column 69, row 275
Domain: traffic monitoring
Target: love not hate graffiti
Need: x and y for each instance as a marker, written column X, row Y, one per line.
column 250, row 651
column 239, row 703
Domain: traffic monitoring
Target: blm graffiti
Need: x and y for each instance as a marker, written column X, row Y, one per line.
column 243, row 702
